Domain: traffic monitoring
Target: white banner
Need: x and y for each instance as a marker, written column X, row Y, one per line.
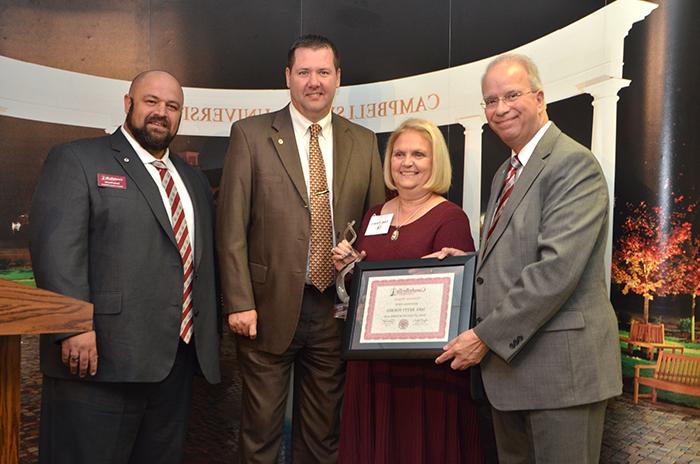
column 570, row 59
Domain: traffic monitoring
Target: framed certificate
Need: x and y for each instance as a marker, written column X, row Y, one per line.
column 408, row 309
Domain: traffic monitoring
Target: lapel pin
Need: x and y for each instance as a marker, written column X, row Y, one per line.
column 126, row 160
column 280, row 141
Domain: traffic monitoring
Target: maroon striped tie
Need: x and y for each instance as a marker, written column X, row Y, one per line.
column 182, row 237
column 506, row 190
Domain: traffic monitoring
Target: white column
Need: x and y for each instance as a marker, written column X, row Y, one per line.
column 471, row 184
column 603, row 141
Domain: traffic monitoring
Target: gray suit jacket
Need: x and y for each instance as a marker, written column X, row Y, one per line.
column 115, row 248
column 542, row 305
column 264, row 221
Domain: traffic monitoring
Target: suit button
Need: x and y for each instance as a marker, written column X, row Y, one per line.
column 520, row 338
column 479, row 280
column 195, row 312
column 512, row 346
column 478, row 320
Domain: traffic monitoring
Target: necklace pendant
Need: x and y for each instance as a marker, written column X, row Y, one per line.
column 395, row 234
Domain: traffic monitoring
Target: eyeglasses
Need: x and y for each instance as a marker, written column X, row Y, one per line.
column 509, row 98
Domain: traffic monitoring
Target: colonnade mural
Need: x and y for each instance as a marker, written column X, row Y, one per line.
column 652, row 252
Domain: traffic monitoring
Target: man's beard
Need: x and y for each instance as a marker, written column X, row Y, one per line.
column 148, row 139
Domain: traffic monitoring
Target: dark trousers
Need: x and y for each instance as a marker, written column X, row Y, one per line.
column 114, row 423
column 319, row 374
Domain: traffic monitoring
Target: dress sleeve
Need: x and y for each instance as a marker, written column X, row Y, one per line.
column 454, row 231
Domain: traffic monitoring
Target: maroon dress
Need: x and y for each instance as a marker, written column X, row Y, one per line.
column 410, row 411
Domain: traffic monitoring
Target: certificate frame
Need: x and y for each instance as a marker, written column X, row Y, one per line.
column 392, row 301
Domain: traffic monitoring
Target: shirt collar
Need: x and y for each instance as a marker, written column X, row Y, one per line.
column 301, row 124
column 529, row 147
column 144, row 155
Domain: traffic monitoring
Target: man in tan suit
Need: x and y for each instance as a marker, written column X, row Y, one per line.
column 292, row 181
column 546, row 335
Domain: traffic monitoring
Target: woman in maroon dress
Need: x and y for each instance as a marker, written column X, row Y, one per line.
column 410, row 411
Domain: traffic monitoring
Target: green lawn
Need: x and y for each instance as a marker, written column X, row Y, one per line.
column 22, row 276
column 628, row 363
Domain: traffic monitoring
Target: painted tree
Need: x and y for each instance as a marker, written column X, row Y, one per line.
column 687, row 265
column 642, row 260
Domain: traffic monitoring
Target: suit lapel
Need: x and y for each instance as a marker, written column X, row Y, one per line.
column 132, row 165
column 284, row 141
column 197, row 203
column 342, row 153
column 528, row 176
column 493, row 197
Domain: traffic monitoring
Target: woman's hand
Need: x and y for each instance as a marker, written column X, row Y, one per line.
column 343, row 254
column 445, row 252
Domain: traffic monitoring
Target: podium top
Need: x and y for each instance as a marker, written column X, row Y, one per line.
column 27, row 310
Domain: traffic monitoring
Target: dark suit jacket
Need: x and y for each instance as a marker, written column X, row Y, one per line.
column 115, row 248
column 264, row 220
column 541, row 295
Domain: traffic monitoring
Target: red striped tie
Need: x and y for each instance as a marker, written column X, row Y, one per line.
column 506, row 190
column 182, row 237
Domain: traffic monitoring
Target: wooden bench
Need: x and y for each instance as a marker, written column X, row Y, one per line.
column 649, row 338
column 673, row 372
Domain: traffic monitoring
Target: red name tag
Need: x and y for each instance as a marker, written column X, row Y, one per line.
column 110, row 181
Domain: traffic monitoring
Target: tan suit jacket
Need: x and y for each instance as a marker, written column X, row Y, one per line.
column 264, row 220
column 542, row 305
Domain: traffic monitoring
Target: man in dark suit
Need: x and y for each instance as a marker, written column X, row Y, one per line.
column 546, row 335
column 122, row 222
column 292, row 178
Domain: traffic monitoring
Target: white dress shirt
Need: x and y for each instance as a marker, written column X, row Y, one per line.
column 301, row 126
column 147, row 159
column 302, row 135
column 529, row 148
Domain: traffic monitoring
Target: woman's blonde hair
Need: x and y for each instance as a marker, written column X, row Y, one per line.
column 441, row 175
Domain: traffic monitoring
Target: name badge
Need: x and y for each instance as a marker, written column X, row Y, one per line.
column 110, row 181
column 379, row 224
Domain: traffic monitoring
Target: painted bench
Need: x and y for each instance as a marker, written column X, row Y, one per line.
column 649, row 338
column 673, row 372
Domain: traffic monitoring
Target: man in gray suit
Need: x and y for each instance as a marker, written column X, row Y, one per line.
column 122, row 222
column 276, row 226
column 546, row 335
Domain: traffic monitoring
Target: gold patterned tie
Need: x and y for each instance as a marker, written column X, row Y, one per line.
column 320, row 262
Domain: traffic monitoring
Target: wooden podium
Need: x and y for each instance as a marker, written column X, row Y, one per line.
column 27, row 310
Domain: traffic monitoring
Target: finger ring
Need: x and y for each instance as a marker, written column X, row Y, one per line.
column 74, row 357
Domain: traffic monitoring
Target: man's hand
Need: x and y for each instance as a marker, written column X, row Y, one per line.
column 244, row 323
column 79, row 353
column 467, row 349
column 445, row 252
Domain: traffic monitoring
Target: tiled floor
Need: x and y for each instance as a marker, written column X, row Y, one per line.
column 642, row 434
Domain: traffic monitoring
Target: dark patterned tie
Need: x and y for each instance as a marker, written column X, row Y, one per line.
column 320, row 262
column 506, row 190
column 182, row 237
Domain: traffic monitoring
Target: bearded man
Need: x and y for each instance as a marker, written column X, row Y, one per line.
column 121, row 222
